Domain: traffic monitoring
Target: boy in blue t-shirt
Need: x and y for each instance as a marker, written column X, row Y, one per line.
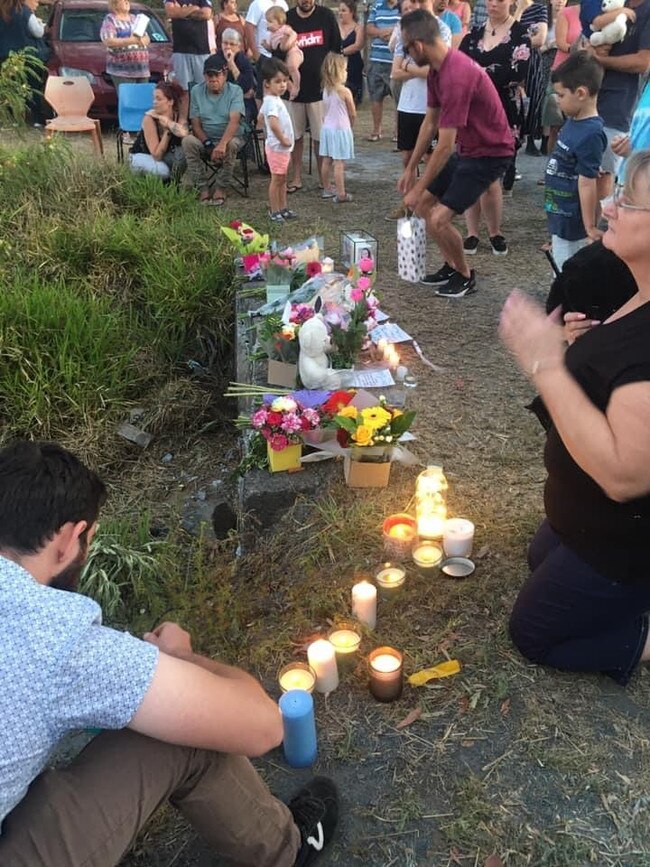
column 571, row 199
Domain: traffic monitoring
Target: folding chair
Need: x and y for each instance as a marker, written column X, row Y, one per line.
column 241, row 184
column 71, row 99
column 133, row 101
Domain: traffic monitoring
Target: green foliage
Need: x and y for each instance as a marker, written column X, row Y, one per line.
column 125, row 567
column 109, row 278
column 62, row 355
column 18, row 74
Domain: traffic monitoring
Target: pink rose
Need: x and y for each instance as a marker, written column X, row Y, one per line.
column 364, row 283
column 366, row 264
column 357, row 293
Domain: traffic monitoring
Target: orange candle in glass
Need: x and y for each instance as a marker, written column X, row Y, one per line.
column 399, row 533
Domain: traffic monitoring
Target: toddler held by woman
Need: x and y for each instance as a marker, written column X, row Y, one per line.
column 284, row 39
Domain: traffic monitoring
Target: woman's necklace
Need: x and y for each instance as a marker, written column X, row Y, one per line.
column 499, row 26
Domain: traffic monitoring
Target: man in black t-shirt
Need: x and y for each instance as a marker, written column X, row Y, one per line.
column 190, row 20
column 623, row 63
column 318, row 33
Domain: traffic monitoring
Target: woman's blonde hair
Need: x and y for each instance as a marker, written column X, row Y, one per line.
column 276, row 13
column 334, row 71
column 112, row 5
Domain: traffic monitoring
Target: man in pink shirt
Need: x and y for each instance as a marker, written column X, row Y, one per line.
column 474, row 147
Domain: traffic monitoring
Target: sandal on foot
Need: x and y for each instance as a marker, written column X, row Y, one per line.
column 374, row 137
column 341, row 200
column 294, row 188
column 328, row 194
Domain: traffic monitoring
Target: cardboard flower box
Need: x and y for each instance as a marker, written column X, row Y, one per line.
column 281, row 373
column 366, row 474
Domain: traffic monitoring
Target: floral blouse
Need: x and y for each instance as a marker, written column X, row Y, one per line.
column 505, row 63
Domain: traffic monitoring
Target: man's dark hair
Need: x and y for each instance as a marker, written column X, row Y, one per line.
column 42, row 487
column 420, row 26
column 579, row 70
column 271, row 66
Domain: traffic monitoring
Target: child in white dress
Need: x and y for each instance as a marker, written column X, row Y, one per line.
column 336, row 139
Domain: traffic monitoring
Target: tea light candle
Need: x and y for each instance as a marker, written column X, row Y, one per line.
column 345, row 640
column 300, row 745
column 364, row 603
column 386, row 673
column 322, row 659
column 390, row 580
column 427, row 557
column 458, row 537
column 297, row 675
column 399, row 532
column 327, row 265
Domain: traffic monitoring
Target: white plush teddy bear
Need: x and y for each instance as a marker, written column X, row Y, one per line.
column 313, row 363
column 615, row 30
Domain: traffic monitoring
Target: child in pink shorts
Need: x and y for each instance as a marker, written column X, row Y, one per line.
column 279, row 137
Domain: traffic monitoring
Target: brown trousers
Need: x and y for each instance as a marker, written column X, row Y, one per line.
column 89, row 813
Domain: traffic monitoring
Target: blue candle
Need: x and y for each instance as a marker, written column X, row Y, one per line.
column 300, row 747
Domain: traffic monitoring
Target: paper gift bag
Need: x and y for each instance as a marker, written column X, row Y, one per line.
column 411, row 249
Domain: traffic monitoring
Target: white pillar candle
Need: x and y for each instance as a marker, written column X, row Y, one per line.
column 458, row 537
column 364, row 603
column 322, row 659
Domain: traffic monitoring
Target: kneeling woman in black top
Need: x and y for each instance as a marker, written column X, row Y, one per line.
column 585, row 606
column 157, row 149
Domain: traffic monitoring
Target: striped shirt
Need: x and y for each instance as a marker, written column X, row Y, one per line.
column 382, row 16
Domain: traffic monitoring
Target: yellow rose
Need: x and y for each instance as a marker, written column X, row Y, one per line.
column 375, row 417
column 349, row 412
column 363, row 435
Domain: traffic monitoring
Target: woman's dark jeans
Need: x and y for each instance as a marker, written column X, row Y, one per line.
column 570, row 617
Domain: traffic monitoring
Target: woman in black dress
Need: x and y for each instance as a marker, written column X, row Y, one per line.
column 502, row 48
column 352, row 39
column 534, row 16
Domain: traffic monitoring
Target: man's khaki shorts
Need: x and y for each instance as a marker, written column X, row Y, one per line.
column 304, row 114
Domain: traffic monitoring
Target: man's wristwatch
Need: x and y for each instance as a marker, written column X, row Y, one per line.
column 208, row 143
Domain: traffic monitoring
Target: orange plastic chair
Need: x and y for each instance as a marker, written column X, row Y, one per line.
column 71, row 99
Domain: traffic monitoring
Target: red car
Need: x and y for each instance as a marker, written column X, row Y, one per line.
column 77, row 49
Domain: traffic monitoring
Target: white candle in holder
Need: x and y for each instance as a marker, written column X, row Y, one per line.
column 458, row 537
column 364, row 603
column 322, row 658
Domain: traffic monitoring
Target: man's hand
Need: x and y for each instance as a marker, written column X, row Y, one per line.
column 413, row 201
column 406, row 181
column 594, row 234
column 171, row 639
column 219, row 153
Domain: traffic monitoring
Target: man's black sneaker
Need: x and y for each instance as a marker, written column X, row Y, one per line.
column 470, row 245
column 315, row 811
column 499, row 245
column 442, row 276
column 458, row 286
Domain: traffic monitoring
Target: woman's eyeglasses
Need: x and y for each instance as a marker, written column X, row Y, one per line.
column 621, row 200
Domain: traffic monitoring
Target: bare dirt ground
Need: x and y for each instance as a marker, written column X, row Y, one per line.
column 544, row 768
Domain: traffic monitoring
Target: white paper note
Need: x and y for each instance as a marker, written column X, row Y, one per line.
column 369, row 379
column 391, row 332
